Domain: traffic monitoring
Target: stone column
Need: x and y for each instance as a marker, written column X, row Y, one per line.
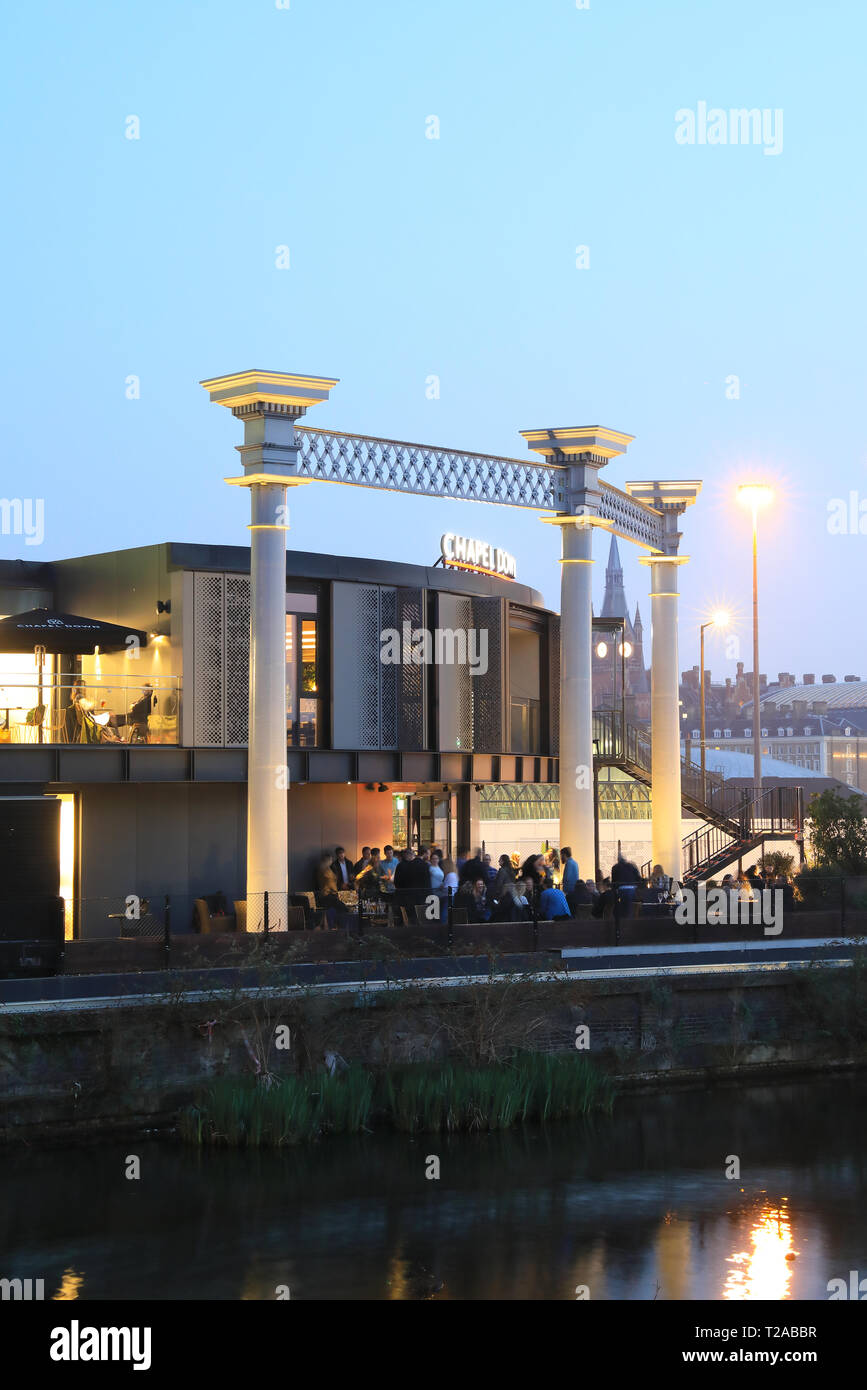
column 665, row 715
column 576, row 695
column 268, row 403
column 671, row 499
column 579, row 453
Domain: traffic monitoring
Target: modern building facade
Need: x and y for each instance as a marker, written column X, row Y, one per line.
column 409, row 688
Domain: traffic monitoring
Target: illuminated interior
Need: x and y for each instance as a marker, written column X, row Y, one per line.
column 19, row 677
column 67, row 858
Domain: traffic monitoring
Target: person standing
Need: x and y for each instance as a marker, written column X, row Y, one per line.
column 450, row 882
column 411, row 881
column 473, row 868
column 436, row 874
column 505, row 874
column 626, row 880
column 389, row 863
column 570, row 875
column 343, row 874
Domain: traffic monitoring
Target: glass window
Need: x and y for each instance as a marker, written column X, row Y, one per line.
column 303, row 697
column 525, row 690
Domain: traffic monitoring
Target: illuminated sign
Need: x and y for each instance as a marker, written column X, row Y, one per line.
column 462, row 553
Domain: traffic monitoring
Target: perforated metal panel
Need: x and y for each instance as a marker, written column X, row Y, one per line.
column 376, row 704
column 237, row 659
column 368, row 664
column 208, row 660
column 390, row 677
column 463, row 681
column 487, row 687
column 221, row 655
column 411, row 688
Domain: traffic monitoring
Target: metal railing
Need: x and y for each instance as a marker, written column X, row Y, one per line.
column 620, row 742
column 90, row 709
column 776, row 811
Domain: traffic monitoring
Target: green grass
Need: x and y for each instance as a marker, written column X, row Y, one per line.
column 426, row 1097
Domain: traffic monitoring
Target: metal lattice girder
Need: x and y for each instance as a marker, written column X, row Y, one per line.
column 426, row 470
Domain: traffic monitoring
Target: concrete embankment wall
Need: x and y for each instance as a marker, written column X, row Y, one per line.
column 81, row 1070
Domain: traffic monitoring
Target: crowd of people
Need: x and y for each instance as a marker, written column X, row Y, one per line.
column 545, row 887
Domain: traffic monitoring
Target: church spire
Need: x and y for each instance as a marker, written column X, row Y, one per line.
column 614, row 603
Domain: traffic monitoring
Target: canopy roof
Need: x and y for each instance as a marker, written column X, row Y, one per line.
column 65, row 633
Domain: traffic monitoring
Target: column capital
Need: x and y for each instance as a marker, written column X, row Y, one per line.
column 595, row 443
column 264, row 389
column 268, row 404
column 669, row 498
column 580, row 450
column 579, row 520
column 663, row 559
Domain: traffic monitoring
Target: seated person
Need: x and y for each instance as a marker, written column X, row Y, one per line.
column 553, row 906
column 473, row 898
column 513, row 904
column 603, row 905
column 582, row 895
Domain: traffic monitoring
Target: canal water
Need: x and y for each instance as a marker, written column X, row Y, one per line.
column 633, row 1206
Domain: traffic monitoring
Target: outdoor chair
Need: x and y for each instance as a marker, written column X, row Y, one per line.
column 422, row 919
column 57, row 726
column 210, row 923
column 28, row 732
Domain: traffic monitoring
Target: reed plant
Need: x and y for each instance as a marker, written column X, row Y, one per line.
column 426, row 1097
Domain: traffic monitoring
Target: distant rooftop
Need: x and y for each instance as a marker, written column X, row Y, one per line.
column 836, row 694
column 729, row 763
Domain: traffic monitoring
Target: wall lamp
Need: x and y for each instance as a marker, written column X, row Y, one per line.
column 164, row 607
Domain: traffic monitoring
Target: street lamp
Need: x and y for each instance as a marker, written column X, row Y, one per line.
column 719, row 619
column 755, row 496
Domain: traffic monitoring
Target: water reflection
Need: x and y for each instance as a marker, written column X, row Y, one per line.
column 765, row 1271
column 70, row 1285
column 633, row 1207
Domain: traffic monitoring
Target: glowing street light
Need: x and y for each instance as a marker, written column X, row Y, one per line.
column 755, row 496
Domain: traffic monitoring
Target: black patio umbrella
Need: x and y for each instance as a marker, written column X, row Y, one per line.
column 65, row 634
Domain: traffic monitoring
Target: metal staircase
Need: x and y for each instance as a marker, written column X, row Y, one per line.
column 737, row 822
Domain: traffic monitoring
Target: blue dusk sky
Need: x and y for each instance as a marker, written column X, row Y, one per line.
column 718, row 316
